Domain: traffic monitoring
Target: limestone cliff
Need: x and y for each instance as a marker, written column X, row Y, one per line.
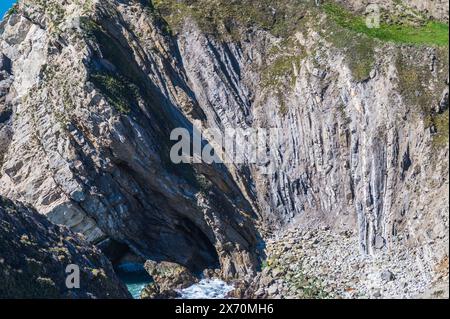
column 91, row 90
column 93, row 104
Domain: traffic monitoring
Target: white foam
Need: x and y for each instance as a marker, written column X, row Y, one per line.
column 207, row 289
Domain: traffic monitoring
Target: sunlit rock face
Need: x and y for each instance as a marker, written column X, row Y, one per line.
column 88, row 143
column 91, row 90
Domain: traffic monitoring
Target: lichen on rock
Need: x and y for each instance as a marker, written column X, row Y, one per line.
column 34, row 255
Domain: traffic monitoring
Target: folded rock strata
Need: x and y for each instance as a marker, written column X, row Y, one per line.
column 90, row 91
column 93, row 107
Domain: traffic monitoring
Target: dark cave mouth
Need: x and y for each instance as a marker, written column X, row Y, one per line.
column 134, row 276
column 129, row 266
column 195, row 253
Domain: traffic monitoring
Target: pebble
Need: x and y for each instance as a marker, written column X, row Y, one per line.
column 302, row 265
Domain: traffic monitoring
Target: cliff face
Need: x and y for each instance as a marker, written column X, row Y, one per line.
column 366, row 124
column 91, row 91
column 93, row 107
column 34, row 255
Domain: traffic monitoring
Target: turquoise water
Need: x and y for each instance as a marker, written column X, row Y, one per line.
column 135, row 278
column 135, row 283
column 5, row 5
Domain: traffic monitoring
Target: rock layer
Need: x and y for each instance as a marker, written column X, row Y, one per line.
column 94, row 103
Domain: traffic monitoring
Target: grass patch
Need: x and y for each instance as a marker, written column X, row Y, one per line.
column 358, row 48
column 422, row 91
column 430, row 33
column 228, row 17
column 264, row 265
column 120, row 93
column 279, row 77
column 11, row 11
column 416, row 83
column 281, row 69
column 89, row 26
column 441, row 125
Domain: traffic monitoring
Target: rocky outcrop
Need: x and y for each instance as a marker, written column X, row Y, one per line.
column 361, row 137
column 153, row 291
column 34, row 255
column 168, row 278
column 170, row 275
column 5, row 110
column 92, row 92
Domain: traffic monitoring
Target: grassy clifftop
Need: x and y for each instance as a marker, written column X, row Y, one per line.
column 218, row 16
column 284, row 17
column 392, row 27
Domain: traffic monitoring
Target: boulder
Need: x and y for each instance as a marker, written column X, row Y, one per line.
column 35, row 255
column 387, row 276
column 241, row 290
column 153, row 291
column 170, row 276
column 211, row 273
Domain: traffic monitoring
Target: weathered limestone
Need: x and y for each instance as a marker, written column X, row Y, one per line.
column 89, row 94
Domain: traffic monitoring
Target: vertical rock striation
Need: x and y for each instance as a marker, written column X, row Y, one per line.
column 90, row 91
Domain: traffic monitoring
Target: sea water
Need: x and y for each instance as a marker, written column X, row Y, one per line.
column 135, row 278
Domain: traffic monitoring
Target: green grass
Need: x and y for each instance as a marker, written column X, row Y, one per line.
column 430, row 33
column 283, row 17
column 264, row 264
column 119, row 92
column 280, row 69
column 224, row 18
column 11, row 11
column 359, row 51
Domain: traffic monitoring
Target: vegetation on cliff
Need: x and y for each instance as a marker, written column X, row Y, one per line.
column 427, row 32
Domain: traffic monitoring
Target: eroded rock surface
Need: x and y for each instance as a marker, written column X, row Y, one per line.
column 96, row 92
column 170, row 275
column 34, row 254
column 168, row 279
column 90, row 91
